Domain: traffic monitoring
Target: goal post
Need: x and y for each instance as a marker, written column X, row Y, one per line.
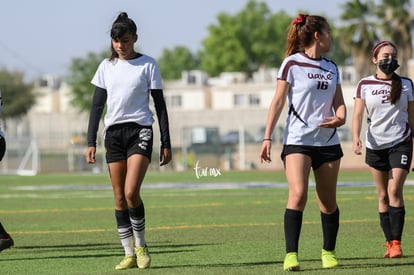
column 25, row 163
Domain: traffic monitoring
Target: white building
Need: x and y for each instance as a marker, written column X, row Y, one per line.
column 222, row 106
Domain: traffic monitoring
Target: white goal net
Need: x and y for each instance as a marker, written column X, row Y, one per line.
column 21, row 157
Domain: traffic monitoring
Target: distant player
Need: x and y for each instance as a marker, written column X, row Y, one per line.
column 388, row 100
column 311, row 83
column 6, row 240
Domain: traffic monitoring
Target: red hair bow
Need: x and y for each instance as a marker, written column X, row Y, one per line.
column 300, row 19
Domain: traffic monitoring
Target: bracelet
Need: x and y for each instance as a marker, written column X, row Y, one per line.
column 269, row 139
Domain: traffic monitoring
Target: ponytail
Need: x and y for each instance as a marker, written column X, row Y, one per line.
column 301, row 32
column 122, row 25
column 396, row 87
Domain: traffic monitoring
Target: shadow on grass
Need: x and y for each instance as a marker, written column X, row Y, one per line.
column 219, row 265
column 114, row 249
column 89, row 246
column 354, row 264
column 407, row 260
column 89, row 249
column 364, row 263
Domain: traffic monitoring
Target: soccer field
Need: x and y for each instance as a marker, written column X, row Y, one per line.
column 231, row 224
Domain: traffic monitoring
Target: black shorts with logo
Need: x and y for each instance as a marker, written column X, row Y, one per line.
column 318, row 154
column 126, row 139
column 398, row 156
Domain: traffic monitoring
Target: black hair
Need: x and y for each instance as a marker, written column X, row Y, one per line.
column 122, row 25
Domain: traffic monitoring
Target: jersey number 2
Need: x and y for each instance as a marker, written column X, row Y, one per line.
column 385, row 99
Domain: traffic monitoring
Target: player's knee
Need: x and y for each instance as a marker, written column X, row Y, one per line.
column 383, row 198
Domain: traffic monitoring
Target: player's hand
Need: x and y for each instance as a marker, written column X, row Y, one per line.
column 331, row 122
column 90, row 155
column 165, row 156
column 357, row 147
column 265, row 151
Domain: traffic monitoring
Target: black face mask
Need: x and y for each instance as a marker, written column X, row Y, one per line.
column 388, row 66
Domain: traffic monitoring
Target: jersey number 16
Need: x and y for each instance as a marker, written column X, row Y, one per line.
column 322, row 85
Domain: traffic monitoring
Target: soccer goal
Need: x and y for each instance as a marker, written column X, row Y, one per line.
column 21, row 158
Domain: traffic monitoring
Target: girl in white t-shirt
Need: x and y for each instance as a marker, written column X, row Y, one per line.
column 124, row 83
column 388, row 100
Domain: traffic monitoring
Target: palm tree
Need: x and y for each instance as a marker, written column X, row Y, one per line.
column 359, row 34
column 396, row 27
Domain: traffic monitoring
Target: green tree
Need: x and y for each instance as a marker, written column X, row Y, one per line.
column 359, row 33
column 173, row 62
column 17, row 95
column 244, row 42
column 81, row 72
column 337, row 52
column 396, row 27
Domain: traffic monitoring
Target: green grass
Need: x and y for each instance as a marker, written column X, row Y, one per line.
column 64, row 224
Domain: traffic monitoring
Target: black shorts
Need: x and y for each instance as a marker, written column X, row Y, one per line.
column 318, row 154
column 398, row 156
column 126, row 139
column 2, row 147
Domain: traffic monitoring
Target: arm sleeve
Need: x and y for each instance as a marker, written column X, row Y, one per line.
column 98, row 104
column 162, row 115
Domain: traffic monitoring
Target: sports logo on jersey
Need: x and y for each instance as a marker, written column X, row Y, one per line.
column 323, row 80
column 320, row 76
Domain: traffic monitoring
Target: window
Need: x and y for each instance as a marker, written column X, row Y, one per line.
column 254, row 100
column 239, row 100
column 174, row 101
column 246, row 100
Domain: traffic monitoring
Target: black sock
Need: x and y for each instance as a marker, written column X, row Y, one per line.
column 122, row 218
column 293, row 224
column 385, row 225
column 3, row 233
column 123, row 223
column 330, row 227
column 138, row 212
column 397, row 218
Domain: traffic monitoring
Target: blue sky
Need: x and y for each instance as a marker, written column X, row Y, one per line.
column 41, row 37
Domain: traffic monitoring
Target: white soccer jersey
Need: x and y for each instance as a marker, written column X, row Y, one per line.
column 387, row 123
column 313, row 84
column 128, row 84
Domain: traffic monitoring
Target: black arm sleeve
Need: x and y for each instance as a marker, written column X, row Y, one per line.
column 162, row 115
column 98, row 104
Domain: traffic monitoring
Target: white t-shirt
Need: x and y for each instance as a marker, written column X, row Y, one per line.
column 313, row 84
column 387, row 123
column 128, row 84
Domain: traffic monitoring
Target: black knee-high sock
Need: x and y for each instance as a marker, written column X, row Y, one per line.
column 3, row 233
column 397, row 219
column 385, row 225
column 330, row 227
column 293, row 225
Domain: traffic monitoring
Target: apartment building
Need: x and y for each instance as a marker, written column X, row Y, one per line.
column 217, row 121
